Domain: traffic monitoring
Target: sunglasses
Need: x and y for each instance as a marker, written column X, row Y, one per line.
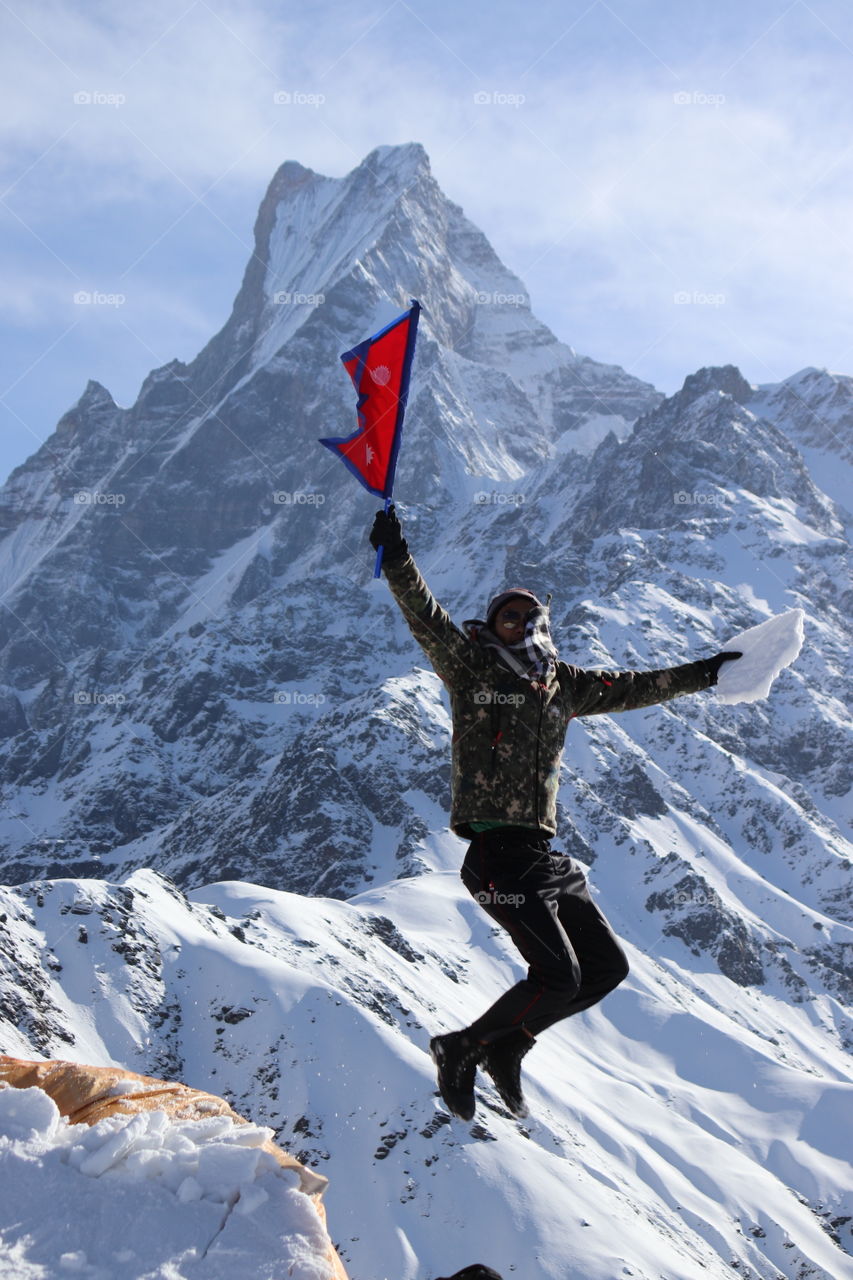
column 514, row 615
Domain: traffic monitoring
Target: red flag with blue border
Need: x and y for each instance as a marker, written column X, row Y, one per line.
column 380, row 368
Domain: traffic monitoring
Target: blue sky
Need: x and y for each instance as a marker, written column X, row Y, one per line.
column 671, row 180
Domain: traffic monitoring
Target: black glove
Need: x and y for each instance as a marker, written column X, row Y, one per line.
column 712, row 665
column 387, row 533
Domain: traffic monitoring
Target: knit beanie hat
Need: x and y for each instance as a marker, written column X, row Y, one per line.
column 498, row 602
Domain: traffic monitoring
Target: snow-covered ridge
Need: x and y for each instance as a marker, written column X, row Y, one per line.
column 313, row 1017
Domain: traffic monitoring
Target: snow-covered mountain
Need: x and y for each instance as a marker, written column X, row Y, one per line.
column 686, row 1127
column 201, row 678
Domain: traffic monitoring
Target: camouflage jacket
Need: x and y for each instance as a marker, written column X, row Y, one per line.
column 508, row 731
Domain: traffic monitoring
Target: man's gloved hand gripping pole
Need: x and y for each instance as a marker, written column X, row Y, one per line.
column 387, row 537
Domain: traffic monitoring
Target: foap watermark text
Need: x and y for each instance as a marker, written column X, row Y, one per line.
column 85, row 698
column 493, row 497
column 695, row 298
column 498, row 299
column 494, row 697
column 95, row 98
column 94, row 498
column 285, row 299
column 496, row 98
column 493, row 898
column 92, row 298
column 696, row 98
column 683, row 498
column 297, row 98
column 298, row 498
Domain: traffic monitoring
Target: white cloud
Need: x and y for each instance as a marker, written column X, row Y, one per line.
column 605, row 193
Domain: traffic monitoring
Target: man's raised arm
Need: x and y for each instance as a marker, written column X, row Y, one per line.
column 430, row 624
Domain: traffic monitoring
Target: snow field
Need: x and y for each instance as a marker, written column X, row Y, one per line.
column 685, row 1124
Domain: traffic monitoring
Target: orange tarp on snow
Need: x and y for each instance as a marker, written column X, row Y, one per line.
column 86, row 1095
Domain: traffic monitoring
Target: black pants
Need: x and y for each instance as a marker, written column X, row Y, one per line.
column 542, row 900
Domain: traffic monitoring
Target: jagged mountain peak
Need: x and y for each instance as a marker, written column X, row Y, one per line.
column 389, row 170
column 815, row 408
column 311, row 233
column 94, row 401
column 727, row 379
column 288, row 177
column 809, row 376
column 334, row 257
column 95, row 396
column 211, row 451
column 397, row 164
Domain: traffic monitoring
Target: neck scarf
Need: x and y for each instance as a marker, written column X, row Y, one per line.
column 534, row 657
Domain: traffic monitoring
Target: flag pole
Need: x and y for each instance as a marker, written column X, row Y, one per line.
column 392, row 469
column 377, row 568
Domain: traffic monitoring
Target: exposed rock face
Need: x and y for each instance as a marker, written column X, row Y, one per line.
column 696, row 914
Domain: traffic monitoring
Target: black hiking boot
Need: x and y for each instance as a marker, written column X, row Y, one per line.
column 502, row 1061
column 456, row 1058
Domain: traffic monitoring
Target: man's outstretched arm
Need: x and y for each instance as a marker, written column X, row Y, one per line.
column 601, row 692
column 430, row 624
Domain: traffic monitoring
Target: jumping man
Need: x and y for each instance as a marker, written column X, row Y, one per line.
column 511, row 702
